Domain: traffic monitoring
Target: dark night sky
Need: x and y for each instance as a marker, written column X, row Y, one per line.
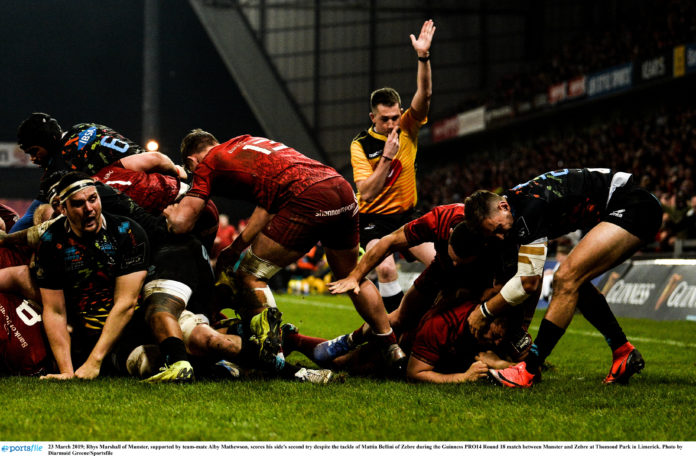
column 81, row 61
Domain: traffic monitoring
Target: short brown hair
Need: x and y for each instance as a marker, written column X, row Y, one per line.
column 385, row 96
column 479, row 206
column 196, row 141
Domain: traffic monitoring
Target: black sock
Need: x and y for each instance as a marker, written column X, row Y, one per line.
column 547, row 338
column 391, row 303
column 173, row 350
column 595, row 309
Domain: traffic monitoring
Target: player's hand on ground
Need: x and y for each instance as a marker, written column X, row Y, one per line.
column 62, row 376
column 478, row 324
column 391, row 147
column 344, row 286
column 422, row 43
column 476, row 371
column 88, row 371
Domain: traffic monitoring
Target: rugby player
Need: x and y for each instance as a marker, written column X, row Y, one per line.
column 85, row 147
column 299, row 202
column 619, row 218
column 459, row 258
column 90, row 268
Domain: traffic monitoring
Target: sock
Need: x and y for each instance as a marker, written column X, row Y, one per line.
column 387, row 339
column 391, row 303
column 173, row 350
column 594, row 307
column 391, row 294
column 304, row 344
column 358, row 337
column 547, row 338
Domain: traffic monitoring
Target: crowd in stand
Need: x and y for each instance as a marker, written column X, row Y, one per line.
column 645, row 30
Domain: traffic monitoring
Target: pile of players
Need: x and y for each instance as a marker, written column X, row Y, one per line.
column 108, row 272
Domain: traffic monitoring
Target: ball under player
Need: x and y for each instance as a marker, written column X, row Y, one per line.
column 299, row 202
column 384, row 170
column 620, row 217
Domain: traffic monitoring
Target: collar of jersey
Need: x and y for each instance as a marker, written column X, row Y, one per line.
column 374, row 134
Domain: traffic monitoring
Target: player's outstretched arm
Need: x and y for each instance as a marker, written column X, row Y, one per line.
column 420, row 105
column 420, row 371
column 55, row 322
column 374, row 256
column 152, row 162
column 125, row 299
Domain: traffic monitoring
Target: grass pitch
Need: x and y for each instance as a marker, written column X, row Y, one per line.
column 570, row 404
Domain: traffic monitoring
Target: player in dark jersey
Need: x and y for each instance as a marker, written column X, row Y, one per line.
column 620, row 217
column 299, row 202
column 90, row 269
column 85, row 147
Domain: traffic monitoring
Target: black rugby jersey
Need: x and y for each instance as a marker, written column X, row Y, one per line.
column 562, row 201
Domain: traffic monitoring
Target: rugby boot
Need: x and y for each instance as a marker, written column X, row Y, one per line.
column 316, row 376
column 627, row 361
column 515, row 376
column 179, row 372
column 332, row 349
column 265, row 331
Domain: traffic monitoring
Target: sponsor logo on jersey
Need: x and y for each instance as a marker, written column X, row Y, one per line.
column 375, row 154
column 86, row 137
column 618, row 213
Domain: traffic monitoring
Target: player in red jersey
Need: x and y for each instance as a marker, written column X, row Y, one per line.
column 458, row 255
column 299, row 202
column 23, row 348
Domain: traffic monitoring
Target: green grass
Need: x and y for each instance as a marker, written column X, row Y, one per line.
column 570, row 404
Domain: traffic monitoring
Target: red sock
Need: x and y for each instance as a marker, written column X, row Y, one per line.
column 303, row 344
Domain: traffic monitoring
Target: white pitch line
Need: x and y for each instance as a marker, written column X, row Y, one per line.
column 315, row 303
column 675, row 343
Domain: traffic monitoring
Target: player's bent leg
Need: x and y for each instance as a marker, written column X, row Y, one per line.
column 604, row 246
column 164, row 302
column 369, row 305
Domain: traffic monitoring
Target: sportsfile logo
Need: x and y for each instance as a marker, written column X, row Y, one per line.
column 20, row 448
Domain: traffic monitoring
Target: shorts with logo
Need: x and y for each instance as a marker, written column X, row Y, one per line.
column 376, row 226
column 327, row 211
column 636, row 210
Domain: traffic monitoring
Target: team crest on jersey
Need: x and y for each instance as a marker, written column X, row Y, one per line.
column 86, row 137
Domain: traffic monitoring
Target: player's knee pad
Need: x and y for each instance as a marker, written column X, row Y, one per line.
column 188, row 322
column 270, row 300
column 165, row 296
column 257, row 267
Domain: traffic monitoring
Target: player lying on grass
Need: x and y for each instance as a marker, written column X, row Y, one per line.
column 441, row 348
column 462, row 260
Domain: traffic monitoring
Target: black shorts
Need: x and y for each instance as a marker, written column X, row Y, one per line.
column 376, row 226
column 184, row 259
column 637, row 211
